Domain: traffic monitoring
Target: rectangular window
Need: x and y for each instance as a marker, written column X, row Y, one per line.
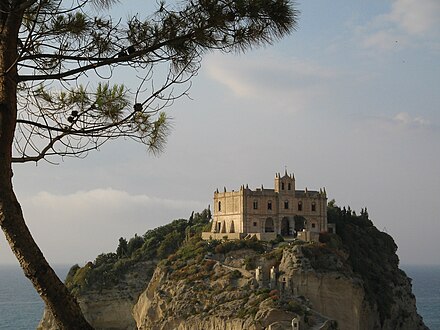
column 269, row 205
column 289, row 186
column 313, row 207
column 300, row 206
column 313, row 225
column 255, row 205
column 255, row 224
column 282, row 185
column 286, row 205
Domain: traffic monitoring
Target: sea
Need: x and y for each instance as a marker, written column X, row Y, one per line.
column 21, row 308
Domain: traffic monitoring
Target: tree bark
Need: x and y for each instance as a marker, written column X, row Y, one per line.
column 58, row 299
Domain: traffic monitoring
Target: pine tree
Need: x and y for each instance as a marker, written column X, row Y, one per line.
column 56, row 98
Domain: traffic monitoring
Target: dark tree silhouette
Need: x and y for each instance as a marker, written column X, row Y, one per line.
column 58, row 59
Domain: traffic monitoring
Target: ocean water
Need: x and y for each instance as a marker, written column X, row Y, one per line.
column 426, row 288
column 21, row 308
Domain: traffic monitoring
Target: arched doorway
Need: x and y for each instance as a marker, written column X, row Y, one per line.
column 285, row 228
column 268, row 226
column 300, row 223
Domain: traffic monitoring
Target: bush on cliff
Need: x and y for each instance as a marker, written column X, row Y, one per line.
column 372, row 255
column 109, row 268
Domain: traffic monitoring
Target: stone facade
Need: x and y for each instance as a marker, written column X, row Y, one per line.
column 266, row 213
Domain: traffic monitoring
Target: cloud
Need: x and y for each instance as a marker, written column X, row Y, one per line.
column 103, row 202
column 270, row 79
column 405, row 119
column 77, row 227
column 416, row 17
column 384, row 40
column 401, row 120
column 407, row 23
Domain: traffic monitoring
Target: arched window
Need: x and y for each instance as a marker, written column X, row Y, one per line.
column 313, row 207
column 300, row 206
column 269, row 205
column 286, row 205
column 255, row 204
column 282, row 185
column 223, row 227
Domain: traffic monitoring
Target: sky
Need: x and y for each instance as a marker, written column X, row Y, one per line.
column 349, row 102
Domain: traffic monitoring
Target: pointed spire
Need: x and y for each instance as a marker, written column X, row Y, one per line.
column 224, row 189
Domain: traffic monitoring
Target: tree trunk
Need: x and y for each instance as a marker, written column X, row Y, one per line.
column 58, row 299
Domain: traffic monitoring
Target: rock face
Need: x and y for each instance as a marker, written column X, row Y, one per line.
column 335, row 293
column 226, row 298
column 339, row 294
column 110, row 308
column 104, row 310
column 230, row 300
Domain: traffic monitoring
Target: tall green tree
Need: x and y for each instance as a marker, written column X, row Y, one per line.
column 122, row 248
column 57, row 61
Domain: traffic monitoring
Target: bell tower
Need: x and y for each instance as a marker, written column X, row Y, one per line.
column 285, row 184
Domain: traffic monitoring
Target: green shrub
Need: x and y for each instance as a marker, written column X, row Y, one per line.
column 234, row 245
column 108, row 269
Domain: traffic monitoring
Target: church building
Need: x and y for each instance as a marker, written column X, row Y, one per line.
column 265, row 213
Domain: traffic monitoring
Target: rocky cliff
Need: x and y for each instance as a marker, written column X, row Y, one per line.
column 219, row 293
column 110, row 307
column 349, row 280
column 340, row 294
